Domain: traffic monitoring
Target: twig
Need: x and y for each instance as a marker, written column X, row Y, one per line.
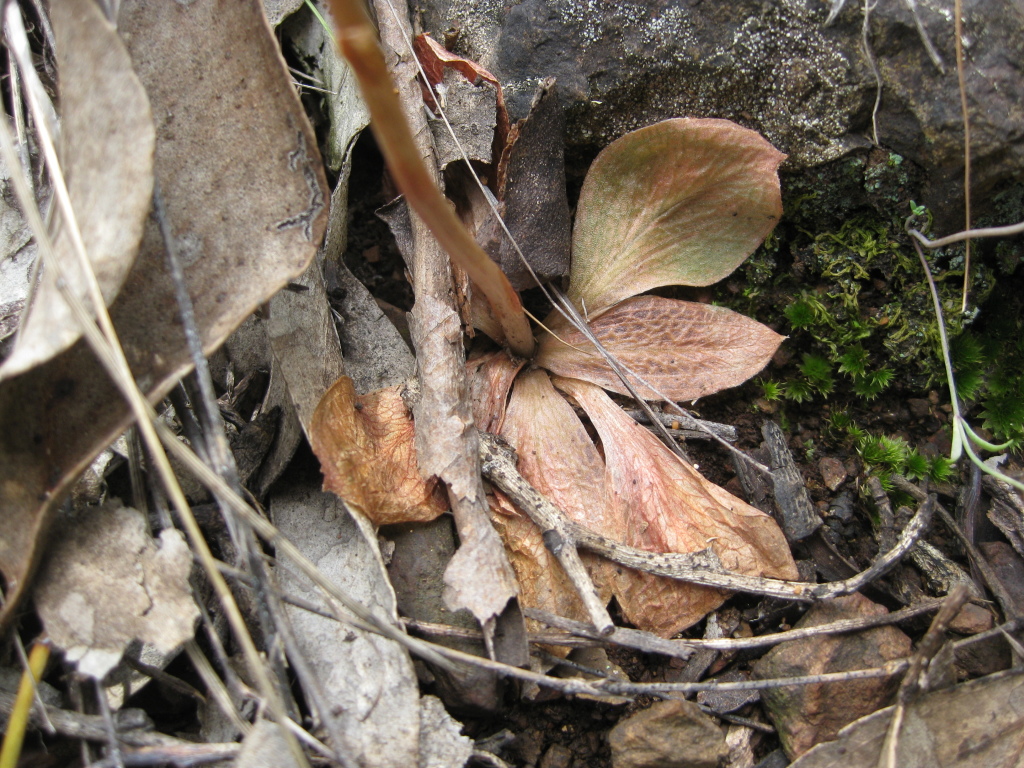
column 799, row 520
column 678, row 427
column 653, row 644
column 357, row 40
column 915, row 681
column 961, row 76
column 1006, row 600
column 701, row 567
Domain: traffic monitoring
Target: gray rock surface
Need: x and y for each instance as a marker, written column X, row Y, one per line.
column 770, row 65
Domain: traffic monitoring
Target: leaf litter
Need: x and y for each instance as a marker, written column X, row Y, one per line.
column 575, row 443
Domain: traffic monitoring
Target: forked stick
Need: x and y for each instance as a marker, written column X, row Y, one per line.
column 357, row 40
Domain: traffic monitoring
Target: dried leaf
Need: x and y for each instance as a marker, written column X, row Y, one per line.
column 667, row 506
column 369, row 679
column 435, row 59
column 107, row 139
column 531, row 177
column 365, row 447
column 558, row 457
column 238, row 169
column 107, row 583
column 681, row 202
column 683, row 349
column 490, row 379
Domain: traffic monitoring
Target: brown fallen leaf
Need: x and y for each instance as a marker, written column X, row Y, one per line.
column 365, row 446
column 238, row 169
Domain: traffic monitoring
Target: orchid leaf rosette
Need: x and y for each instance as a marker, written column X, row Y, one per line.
column 681, row 202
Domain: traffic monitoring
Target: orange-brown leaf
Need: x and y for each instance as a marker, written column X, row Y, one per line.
column 683, row 349
column 366, row 451
column 667, row 506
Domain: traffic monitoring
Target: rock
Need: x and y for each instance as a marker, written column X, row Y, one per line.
column 808, row 714
column 670, row 734
column 833, row 473
column 971, row 620
column 557, row 756
column 774, row 67
column 1009, row 569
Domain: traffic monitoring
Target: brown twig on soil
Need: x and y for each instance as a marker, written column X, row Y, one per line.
column 644, row 641
column 799, row 519
column 915, row 681
column 1006, row 601
column 701, row 567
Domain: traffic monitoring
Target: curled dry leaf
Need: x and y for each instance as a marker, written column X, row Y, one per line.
column 665, row 505
column 366, row 452
column 683, row 349
column 107, row 583
column 242, row 182
column 110, row 181
column 681, row 202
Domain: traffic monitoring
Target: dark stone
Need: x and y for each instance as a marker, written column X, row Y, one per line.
column 774, row 67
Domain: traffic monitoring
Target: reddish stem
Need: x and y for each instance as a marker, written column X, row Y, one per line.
column 357, row 40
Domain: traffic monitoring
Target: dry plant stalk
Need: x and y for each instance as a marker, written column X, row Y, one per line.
column 357, row 40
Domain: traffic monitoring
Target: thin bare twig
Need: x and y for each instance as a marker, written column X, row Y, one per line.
column 701, row 567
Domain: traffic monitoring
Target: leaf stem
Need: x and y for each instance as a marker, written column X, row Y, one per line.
column 357, row 40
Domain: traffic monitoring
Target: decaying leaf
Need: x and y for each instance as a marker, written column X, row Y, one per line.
column 490, row 379
column 370, row 680
column 681, row 202
column 110, row 181
column 238, row 170
column 683, row 349
column 435, row 59
column 665, row 505
column 107, row 582
column 557, row 454
column 531, row 187
column 365, row 447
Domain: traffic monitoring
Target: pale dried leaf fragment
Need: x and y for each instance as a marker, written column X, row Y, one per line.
column 366, row 451
column 368, row 678
column 683, row 349
column 242, row 182
column 681, row 202
column 667, row 506
column 106, row 155
column 107, row 583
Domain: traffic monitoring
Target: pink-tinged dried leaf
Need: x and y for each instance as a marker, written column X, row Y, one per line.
column 559, row 459
column 681, row 202
column 435, row 59
column 667, row 506
column 490, row 379
column 683, row 349
column 542, row 581
column 365, row 447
